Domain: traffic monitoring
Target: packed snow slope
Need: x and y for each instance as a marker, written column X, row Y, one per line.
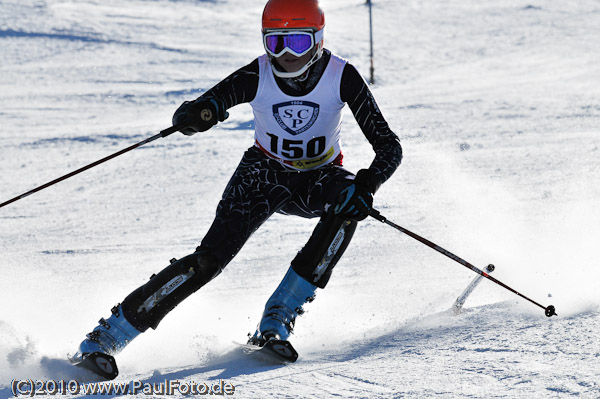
column 497, row 104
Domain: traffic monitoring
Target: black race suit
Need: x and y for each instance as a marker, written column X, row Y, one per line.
column 261, row 186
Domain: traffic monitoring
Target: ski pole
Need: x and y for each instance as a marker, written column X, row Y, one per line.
column 163, row 133
column 549, row 310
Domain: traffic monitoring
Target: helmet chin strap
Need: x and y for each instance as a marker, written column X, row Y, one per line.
column 282, row 74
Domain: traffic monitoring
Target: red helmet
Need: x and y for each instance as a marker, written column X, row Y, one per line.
column 291, row 15
column 286, row 14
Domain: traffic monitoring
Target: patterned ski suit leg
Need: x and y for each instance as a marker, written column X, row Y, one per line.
column 257, row 188
column 262, row 186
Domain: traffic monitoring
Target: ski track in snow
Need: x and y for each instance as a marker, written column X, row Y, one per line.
column 497, row 105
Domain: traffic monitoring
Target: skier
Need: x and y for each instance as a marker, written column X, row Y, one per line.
column 297, row 91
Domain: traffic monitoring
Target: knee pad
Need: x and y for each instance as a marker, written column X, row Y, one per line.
column 324, row 249
column 149, row 304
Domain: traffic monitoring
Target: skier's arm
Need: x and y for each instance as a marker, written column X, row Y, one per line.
column 388, row 151
column 211, row 107
column 239, row 87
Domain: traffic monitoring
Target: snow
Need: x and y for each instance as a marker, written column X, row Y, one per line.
column 497, row 105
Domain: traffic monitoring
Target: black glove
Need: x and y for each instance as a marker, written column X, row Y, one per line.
column 199, row 115
column 355, row 201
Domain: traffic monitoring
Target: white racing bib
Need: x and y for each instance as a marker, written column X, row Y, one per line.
column 301, row 132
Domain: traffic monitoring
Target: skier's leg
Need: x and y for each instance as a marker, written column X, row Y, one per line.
column 310, row 269
column 324, row 249
column 248, row 200
column 312, row 266
column 149, row 304
column 146, row 306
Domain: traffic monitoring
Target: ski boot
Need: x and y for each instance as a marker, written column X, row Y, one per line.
column 96, row 352
column 282, row 308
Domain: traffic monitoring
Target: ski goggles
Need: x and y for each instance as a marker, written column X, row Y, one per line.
column 297, row 43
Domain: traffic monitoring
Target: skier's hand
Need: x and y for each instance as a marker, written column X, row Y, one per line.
column 355, row 201
column 199, row 115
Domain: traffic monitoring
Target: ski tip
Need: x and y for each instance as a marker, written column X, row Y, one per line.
column 98, row 363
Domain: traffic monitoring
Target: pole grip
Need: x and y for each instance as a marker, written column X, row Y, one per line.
column 170, row 130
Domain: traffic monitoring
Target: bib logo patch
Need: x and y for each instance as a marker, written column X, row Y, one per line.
column 296, row 117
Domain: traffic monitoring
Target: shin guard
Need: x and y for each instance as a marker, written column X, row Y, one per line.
column 149, row 304
column 324, row 249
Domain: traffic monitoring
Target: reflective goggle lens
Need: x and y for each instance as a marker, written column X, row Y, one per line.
column 299, row 43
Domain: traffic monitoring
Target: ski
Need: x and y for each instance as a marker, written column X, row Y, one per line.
column 275, row 350
column 460, row 301
column 98, row 363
